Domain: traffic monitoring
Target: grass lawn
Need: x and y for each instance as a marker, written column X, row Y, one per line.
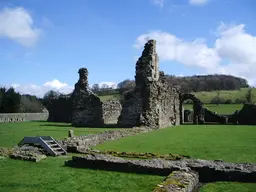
column 230, row 143
column 51, row 176
column 115, row 96
column 229, row 187
column 12, row 133
column 220, row 109
column 206, row 96
column 227, row 142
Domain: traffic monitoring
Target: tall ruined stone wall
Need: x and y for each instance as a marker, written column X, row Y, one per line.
column 153, row 103
column 60, row 109
column 131, row 110
column 169, row 103
column 111, row 110
column 86, row 106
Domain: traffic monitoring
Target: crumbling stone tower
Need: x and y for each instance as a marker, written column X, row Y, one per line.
column 86, row 106
column 153, row 103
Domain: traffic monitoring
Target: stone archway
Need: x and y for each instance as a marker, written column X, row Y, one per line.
column 198, row 115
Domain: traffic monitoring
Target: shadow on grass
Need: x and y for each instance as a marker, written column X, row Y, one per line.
column 55, row 125
column 123, row 168
column 108, row 126
column 211, row 123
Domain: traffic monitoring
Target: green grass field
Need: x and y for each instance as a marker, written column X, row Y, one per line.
column 51, row 176
column 229, row 187
column 230, row 143
column 226, row 142
column 206, row 97
column 12, row 133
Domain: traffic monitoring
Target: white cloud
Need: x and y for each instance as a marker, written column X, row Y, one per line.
column 159, row 3
column 39, row 91
column 233, row 52
column 17, row 25
column 172, row 48
column 56, row 85
column 198, row 2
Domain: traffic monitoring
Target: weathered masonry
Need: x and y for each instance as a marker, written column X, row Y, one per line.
column 152, row 103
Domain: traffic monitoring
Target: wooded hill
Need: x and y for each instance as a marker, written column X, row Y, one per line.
column 13, row 102
column 197, row 83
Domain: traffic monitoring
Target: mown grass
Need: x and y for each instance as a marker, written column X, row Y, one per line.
column 229, row 187
column 12, row 133
column 51, row 176
column 109, row 97
column 207, row 96
column 226, row 142
column 230, row 143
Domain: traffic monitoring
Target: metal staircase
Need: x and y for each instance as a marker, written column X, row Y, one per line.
column 49, row 144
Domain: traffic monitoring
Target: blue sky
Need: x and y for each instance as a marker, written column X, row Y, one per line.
column 43, row 43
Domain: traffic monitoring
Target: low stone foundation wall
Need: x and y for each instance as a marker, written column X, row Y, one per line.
column 179, row 181
column 209, row 171
column 20, row 117
column 82, row 143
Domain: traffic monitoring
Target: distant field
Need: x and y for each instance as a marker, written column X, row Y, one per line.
column 109, row 97
column 206, row 97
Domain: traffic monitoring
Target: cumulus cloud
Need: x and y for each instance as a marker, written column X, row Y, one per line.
column 198, row 2
column 159, row 3
column 232, row 53
column 17, row 25
column 55, row 85
column 172, row 48
column 40, row 90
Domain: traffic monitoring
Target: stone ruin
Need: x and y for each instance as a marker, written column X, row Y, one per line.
column 87, row 109
column 152, row 103
column 246, row 116
column 198, row 110
column 202, row 115
column 59, row 109
column 86, row 106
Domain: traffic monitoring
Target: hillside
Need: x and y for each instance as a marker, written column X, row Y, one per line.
column 199, row 83
column 194, row 83
column 235, row 96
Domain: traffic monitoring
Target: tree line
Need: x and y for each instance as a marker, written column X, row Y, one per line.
column 196, row 83
column 13, row 102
